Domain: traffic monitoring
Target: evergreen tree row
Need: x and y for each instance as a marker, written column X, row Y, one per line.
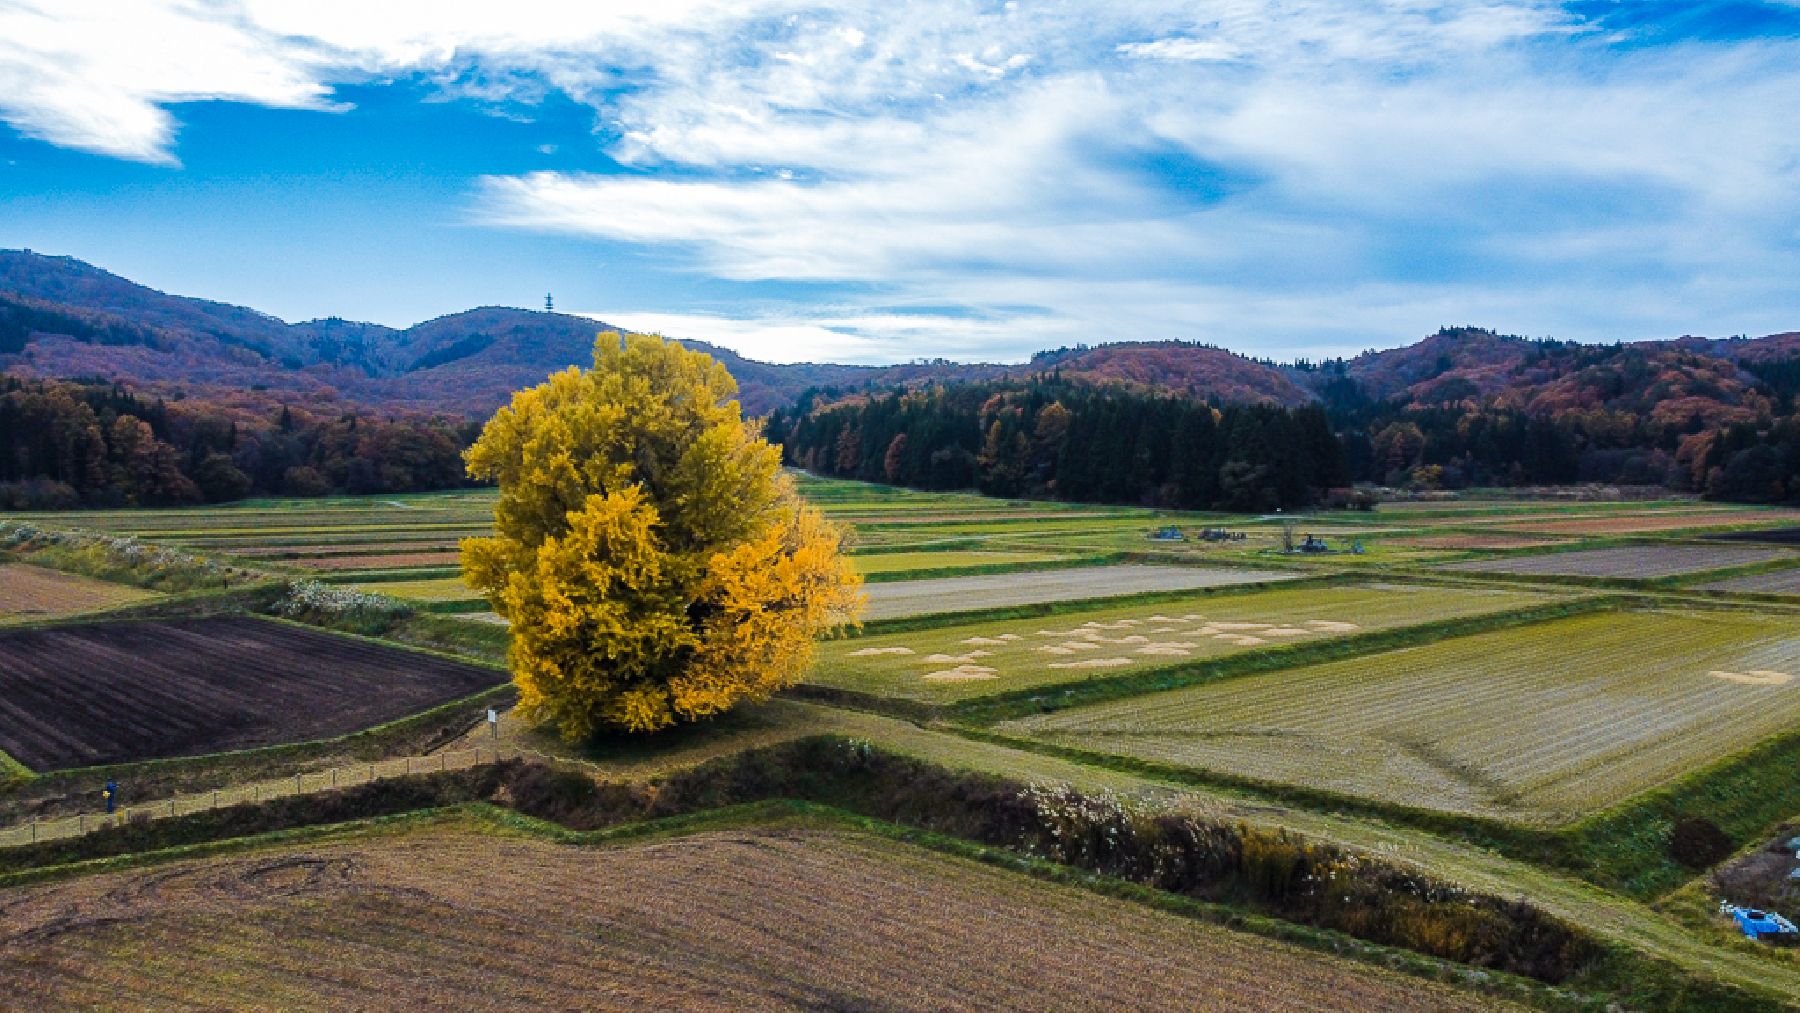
column 1047, row 437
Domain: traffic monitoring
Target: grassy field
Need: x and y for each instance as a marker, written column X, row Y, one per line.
column 32, row 592
column 1542, row 723
column 730, row 920
column 436, row 589
column 960, row 662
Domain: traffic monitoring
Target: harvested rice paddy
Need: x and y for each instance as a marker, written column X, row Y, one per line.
column 1636, row 562
column 1646, row 523
column 1771, row 582
column 435, row 918
column 378, row 561
column 883, row 563
column 1542, row 723
column 960, row 662
column 961, row 594
column 32, row 592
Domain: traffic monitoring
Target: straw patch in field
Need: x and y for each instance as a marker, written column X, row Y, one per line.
column 962, row 673
column 1755, row 677
column 1092, row 663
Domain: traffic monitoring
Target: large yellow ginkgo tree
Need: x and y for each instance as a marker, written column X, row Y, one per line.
column 655, row 563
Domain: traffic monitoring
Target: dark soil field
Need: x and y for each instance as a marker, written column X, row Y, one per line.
column 751, row 919
column 99, row 693
column 1772, row 536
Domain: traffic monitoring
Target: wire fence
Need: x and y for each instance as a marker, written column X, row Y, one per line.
column 309, row 782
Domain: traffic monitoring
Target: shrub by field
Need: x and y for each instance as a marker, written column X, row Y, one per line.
column 1636, row 562
column 965, row 661
column 102, row 693
column 32, row 591
column 726, row 920
column 1542, row 723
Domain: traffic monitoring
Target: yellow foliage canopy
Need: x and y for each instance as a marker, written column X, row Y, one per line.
column 655, row 563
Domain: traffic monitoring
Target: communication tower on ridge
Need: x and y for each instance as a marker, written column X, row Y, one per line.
column 549, row 304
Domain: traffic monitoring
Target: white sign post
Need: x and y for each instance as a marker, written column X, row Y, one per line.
column 493, row 724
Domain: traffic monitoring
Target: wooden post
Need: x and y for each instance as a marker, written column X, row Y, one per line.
column 296, row 784
column 81, row 823
column 215, row 804
column 171, row 807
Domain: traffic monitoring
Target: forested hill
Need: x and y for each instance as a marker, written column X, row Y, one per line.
column 1053, row 437
column 1462, row 406
column 62, row 318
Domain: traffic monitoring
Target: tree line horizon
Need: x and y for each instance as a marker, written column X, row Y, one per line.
column 72, row 444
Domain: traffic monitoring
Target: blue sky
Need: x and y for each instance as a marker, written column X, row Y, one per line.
column 878, row 182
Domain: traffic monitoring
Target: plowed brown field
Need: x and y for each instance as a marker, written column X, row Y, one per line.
column 752, row 919
column 114, row 692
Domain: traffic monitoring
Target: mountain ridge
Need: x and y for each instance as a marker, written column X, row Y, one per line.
column 63, row 318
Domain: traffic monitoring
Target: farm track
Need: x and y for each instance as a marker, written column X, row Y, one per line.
column 727, row 920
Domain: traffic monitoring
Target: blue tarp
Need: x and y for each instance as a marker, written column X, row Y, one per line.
column 1757, row 924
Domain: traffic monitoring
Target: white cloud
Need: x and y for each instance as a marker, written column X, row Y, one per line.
column 1181, row 49
column 1287, row 176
